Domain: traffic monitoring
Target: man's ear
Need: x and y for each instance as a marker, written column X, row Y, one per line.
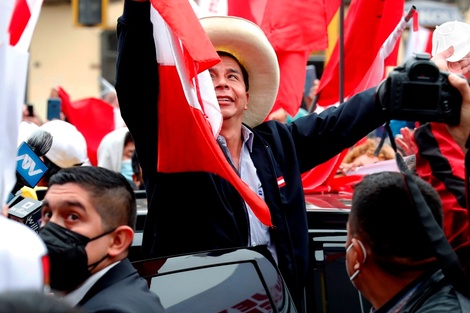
column 122, row 240
column 360, row 250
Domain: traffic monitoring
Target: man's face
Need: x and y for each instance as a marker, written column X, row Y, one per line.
column 69, row 206
column 230, row 88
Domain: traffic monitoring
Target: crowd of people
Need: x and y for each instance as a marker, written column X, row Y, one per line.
column 89, row 212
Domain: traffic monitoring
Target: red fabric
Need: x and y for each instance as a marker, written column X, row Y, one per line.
column 366, row 27
column 93, row 117
column 174, row 141
column 295, row 28
column 19, row 20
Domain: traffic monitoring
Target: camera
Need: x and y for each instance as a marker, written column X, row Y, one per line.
column 419, row 91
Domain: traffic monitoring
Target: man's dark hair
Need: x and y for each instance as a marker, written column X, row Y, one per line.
column 384, row 215
column 246, row 79
column 110, row 193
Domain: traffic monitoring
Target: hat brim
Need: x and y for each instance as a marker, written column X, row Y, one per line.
column 249, row 45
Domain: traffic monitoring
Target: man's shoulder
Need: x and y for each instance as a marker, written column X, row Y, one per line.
column 435, row 294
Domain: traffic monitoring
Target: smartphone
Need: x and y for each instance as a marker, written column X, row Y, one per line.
column 311, row 75
column 53, row 108
column 30, row 109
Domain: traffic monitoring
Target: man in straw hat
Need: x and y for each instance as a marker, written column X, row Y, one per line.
column 196, row 211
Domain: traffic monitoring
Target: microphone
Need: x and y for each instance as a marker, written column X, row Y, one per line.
column 27, row 211
column 29, row 171
column 29, row 167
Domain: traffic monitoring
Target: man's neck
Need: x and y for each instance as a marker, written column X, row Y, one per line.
column 233, row 138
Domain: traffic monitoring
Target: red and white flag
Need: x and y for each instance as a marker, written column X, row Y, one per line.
column 322, row 177
column 17, row 22
column 366, row 27
column 189, row 117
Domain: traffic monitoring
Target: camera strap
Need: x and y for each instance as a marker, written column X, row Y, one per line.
column 448, row 259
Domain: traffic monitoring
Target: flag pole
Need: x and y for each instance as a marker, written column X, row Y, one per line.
column 341, row 52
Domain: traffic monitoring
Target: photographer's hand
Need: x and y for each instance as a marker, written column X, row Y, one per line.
column 459, row 67
column 460, row 133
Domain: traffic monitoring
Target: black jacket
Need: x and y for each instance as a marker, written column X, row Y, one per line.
column 200, row 211
column 121, row 290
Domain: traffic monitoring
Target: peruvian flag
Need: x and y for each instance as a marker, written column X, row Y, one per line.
column 189, row 117
column 17, row 22
column 295, row 28
column 367, row 26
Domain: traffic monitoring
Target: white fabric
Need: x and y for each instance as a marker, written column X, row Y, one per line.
column 69, row 147
column 21, row 257
column 455, row 34
column 26, row 129
column 111, row 148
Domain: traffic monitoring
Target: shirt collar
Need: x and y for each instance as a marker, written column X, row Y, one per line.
column 247, row 137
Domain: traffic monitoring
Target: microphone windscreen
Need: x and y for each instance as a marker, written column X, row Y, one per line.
column 40, row 141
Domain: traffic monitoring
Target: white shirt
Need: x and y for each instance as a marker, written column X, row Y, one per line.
column 259, row 233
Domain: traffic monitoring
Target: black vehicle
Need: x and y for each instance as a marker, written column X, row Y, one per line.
column 328, row 287
column 234, row 280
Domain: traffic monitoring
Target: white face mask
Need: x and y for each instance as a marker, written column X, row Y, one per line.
column 354, row 275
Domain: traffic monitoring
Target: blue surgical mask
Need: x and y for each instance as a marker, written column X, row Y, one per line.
column 126, row 169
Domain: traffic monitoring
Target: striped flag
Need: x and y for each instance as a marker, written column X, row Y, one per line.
column 189, row 118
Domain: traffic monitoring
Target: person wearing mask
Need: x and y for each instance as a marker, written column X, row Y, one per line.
column 115, row 153
column 389, row 257
column 88, row 222
column 269, row 156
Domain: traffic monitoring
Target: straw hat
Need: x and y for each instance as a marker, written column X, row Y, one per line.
column 455, row 34
column 247, row 42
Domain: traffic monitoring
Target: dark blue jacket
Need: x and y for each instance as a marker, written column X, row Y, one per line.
column 201, row 211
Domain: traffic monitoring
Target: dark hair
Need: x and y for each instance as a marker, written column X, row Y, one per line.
column 31, row 301
column 128, row 138
column 110, row 193
column 135, row 164
column 384, row 215
column 246, row 79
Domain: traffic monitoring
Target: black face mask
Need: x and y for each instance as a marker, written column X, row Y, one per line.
column 67, row 255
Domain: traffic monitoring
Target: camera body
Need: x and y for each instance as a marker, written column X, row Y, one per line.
column 419, row 91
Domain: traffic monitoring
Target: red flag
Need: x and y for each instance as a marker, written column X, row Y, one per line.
column 322, row 178
column 19, row 20
column 366, row 27
column 93, row 117
column 186, row 104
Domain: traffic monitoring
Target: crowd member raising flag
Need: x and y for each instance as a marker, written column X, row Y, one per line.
column 192, row 165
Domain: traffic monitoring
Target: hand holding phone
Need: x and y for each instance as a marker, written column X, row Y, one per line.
column 53, row 108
